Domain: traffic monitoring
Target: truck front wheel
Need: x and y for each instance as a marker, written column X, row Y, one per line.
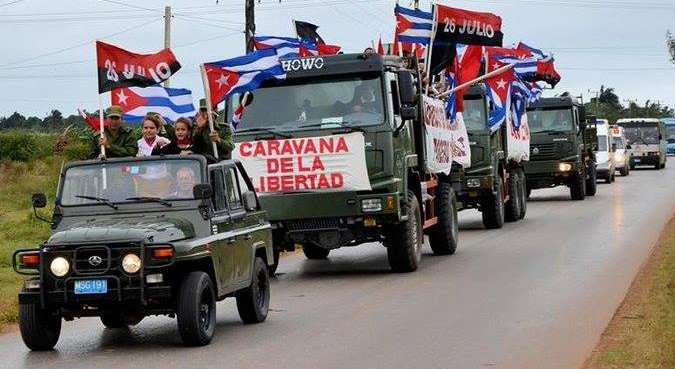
column 254, row 301
column 313, row 252
column 40, row 329
column 512, row 207
column 592, row 181
column 578, row 187
column 524, row 194
column 404, row 240
column 196, row 309
column 443, row 237
column 492, row 207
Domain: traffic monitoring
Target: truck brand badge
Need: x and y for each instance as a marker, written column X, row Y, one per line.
column 294, row 65
column 369, row 144
column 535, row 150
column 95, row 260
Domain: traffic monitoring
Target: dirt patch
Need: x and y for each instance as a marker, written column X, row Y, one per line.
column 639, row 328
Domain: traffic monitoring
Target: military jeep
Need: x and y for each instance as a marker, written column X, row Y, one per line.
column 134, row 237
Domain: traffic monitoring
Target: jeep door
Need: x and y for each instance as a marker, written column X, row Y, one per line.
column 224, row 247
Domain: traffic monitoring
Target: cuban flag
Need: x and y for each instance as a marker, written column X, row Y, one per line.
column 241, row 74
column 170, row 103
column 413, row 25
column 285, row 46
column 520, row 97
column 531, row 51
column 535, row 92
column 499, row 92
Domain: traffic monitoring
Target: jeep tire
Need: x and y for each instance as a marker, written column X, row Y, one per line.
column 196, row 309
column 253, row 302
column 40, row 329
column 113, row 320
column 512, row 207
column 404, row 240
column 444, row 235
column 492, row 207
column 313, row 252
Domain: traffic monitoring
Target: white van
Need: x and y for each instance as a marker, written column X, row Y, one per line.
column 604, row 155
column 621, row 152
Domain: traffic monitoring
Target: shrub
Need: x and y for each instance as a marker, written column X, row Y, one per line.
column 25, row 146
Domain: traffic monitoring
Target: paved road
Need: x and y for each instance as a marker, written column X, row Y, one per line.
column 536, row 294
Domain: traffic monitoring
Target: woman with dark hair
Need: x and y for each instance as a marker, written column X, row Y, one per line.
column 182, row 144
column 150, row 139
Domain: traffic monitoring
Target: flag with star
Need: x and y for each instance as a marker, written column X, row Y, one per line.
column 170, row 103
column 241, row 74
column 498, row 91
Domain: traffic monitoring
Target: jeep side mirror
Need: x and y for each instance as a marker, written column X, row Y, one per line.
column 202, row 191
column 39, row 200
column 250, row 201
column 406, row 88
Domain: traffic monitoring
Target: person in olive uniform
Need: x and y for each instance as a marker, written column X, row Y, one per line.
column 202, row 135
column 118, row 139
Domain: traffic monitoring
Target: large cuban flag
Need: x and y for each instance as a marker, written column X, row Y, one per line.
column 413, row 25
column 241, row 74
column 136, row 102
column 285, row 46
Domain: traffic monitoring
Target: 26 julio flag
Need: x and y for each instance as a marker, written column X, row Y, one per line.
column 119, row 68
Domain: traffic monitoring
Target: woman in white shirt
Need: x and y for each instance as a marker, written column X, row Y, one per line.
column 150, row 139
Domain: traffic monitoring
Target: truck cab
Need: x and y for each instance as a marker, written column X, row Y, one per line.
column 604, row 152
column 561, row 147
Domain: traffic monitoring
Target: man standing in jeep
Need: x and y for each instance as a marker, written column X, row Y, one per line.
column 118, row 139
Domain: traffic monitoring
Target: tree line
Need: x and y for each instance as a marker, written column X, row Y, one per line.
column 53, row 122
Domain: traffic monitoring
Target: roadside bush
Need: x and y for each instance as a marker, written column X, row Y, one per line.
column 25, row 146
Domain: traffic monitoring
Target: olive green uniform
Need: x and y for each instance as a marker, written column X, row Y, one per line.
column 124, row 144
column 203, row 145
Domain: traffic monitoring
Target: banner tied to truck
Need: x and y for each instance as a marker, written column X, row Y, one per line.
column 327, row 163
column 518, row 141
column 446, row 140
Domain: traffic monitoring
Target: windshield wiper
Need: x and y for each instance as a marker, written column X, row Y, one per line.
column 262, row 129
column 100, row 200
column 149, row 199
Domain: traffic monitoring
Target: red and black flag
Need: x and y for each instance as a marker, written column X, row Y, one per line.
column 119, row 68
column 459, row 26
column 307, row 31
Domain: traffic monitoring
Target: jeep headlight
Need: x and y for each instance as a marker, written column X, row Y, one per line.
column 473, row 182
column 131, row 263
column 59, row 266
column 564, row 167
column 371, row 205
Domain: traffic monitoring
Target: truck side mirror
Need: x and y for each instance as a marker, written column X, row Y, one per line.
column 250, row 201
column 202, row 191
column 582, row 125
column 406, row 88
column 408, row 113
column 39, row 200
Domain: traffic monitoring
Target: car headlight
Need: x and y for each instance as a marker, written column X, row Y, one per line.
column 473, row 182
column 371, row 205
column 59, row 266
column 564, row 167
column 131, row 263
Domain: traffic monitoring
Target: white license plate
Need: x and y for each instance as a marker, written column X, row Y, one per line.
column 91, row 286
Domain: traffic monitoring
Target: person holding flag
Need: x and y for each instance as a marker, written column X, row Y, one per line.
column 117, row 138
column 203, row 136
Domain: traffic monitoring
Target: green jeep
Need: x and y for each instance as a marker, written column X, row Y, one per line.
column 134, row 237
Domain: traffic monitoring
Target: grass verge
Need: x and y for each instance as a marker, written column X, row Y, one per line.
column 641, row 334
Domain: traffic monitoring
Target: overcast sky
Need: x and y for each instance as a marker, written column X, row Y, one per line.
column 48, row 56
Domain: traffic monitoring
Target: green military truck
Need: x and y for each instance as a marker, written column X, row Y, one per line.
column 341, row 153
column 495, row 182
column 561, row 147
column 134, row 237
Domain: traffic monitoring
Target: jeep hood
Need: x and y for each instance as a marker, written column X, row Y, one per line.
column 147, row 229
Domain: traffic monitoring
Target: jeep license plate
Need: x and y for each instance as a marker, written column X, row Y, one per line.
column 91, row 286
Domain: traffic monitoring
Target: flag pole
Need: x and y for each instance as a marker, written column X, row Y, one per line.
column 209, row 106
column 427, row 67
column 101, row 129
column 481, row 78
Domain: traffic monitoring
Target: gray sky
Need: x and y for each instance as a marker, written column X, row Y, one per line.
column 48, row 57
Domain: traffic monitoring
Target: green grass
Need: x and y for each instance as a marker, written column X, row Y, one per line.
column 644, row 337
column 19, row 227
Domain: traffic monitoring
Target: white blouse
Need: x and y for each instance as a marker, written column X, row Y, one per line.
column 146, row 150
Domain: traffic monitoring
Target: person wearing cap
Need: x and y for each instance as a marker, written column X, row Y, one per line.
column 118, row 139
column 202, row 135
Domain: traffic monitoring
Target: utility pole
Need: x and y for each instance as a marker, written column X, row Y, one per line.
column 249, row 29
column 417, row 4
column 167, row 33
column 597, row 101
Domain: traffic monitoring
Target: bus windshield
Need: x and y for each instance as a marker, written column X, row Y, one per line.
column 350, row 100
column 641, row 133
column 550, row 119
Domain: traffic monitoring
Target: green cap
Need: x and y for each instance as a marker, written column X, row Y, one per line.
column 202, row 103
column 114, row 110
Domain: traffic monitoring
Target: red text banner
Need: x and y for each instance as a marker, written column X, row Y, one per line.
column 446, row 141
column 518, row 140
column 328, row 163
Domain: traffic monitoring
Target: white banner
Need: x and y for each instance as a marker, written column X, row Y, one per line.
column 446, row 141
column 328, row 163
column 518, row 141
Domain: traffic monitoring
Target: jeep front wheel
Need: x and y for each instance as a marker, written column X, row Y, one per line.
column 40, row 329
column 313, row 252
column 254, row 301
column 113, row 320
column 443, row 237
column 404, row 240
column 196, row 309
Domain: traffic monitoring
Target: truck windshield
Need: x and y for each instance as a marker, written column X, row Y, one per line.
column 131, row 181
column 346, row 100
column 641, row 133
column 474, row 114
column 550, row 119
column 670, row 133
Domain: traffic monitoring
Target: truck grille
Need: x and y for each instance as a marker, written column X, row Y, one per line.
column 313, row 224
column 543, row 151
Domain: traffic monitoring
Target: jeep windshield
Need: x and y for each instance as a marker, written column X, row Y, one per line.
column 330, row 101
column 474, row 114
column 550, row 120
column 641, row 133
column 133, row 181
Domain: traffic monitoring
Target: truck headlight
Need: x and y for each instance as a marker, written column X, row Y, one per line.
column 371, row 205
column 473, row 182
column 59, row 266
column 564, row 167
column 131, row 263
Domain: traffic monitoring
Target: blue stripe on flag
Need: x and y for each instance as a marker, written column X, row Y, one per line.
column 414, row 40
column 162, row 101
column 413, row 12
